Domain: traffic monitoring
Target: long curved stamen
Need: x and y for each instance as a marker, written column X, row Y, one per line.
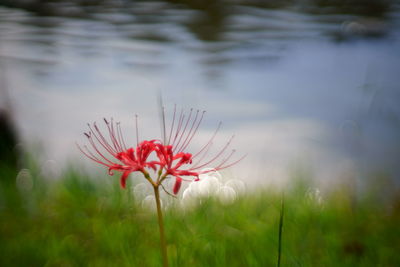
column 93, row 156
column 172, row 126
column 226, row 159
column 233, row 163
column 209, row 141
column 194, row 132
column 110, row 136
column 120, row 136
column 102, row 140
column 96, row 149
column 87, row 154
column 137, row 130
column 203, row 156
column 115, row 137
column 216, row 156
column 184, row 129
column 111, row 133
column 190, row 131
column 163, row 130
column 178, row 128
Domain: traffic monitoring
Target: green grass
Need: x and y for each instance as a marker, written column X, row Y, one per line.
column 81, row 221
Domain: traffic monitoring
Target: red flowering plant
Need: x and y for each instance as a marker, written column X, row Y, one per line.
column 169, row 156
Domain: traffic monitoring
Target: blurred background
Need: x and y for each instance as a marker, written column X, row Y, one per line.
column 307, row 85
column 309, row 88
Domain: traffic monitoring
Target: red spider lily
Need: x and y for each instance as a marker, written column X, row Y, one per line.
column 171, row 160
column 129, row 159
column 166, row 157
column 170, row 152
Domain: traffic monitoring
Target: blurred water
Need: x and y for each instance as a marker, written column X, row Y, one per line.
column 299, row 85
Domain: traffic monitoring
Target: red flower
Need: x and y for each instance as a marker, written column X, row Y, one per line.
column 171, row 160
column 129, row 159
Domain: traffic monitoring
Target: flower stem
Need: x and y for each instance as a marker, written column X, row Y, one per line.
column 163, row 243
column 280, row 231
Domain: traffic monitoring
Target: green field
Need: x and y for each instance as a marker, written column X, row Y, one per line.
column 84, row 221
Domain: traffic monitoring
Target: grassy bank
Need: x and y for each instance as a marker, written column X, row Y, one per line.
column 76, row 221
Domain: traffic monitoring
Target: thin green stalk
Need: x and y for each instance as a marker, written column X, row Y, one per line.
column 280, row 232
column 163, row 242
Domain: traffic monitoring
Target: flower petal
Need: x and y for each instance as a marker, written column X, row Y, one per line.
column 124, row 177
column 177, row 186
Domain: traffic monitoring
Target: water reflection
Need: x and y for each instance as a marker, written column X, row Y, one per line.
column 314, row 83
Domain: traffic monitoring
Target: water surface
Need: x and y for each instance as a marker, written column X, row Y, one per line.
column 302, row 87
